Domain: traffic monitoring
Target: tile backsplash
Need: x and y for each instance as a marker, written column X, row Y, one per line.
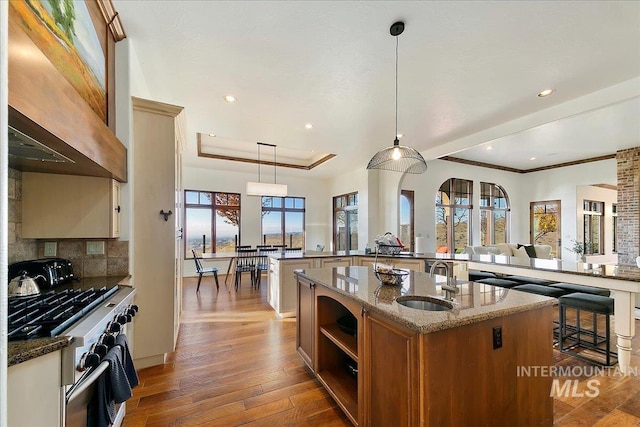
column 114, row 260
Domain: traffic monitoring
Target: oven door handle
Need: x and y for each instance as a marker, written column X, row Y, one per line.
column 86, row 381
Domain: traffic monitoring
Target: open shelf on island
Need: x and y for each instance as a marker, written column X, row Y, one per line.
column 344, row 389
column 347, row 343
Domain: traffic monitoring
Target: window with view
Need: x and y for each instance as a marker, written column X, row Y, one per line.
column 283, row 221
column 453, row 215
column 494, row 214
column 593, row 227
column 211, row 221
column 345, row 222
column 545, row 221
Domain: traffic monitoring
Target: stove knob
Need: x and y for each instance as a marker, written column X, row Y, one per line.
column 101, row 350
column 115, row 327
column 109, row 340
column 134, row 307
column 90, row 361
column 130, row 311
column 122, row 319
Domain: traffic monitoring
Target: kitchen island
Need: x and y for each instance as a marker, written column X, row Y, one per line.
column 404, row 366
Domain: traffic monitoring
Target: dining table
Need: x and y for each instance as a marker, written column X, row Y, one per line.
column 231, row 267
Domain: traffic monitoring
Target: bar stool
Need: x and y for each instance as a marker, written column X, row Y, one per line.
column 475, row 275
column 595, row 304
column 532, row 280
column 581, row 288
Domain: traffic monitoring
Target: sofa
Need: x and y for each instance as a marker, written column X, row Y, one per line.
column 511, row 249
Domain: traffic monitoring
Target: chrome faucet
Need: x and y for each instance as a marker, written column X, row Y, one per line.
column 449, row 289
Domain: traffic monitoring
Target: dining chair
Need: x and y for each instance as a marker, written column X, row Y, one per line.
column 202, row 271
column 243, row 247
column 263, row 263
column 246, row 262
column 293, row 249
column 263, row 247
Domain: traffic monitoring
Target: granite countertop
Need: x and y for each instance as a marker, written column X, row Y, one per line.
column 475, row 303
column 22, row 351
column 618, row 272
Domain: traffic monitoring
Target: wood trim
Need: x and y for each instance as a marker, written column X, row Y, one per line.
column 112, row 19
column 262, row 162
column 542, row 168
column 155, row 107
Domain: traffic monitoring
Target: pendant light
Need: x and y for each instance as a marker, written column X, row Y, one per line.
column 265, row 188
column 399, row 158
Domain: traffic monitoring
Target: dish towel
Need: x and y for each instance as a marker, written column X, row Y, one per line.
column 127, row 360
column 112, row 387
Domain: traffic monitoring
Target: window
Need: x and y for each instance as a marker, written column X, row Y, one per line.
column 453, row 215
column 494, row 214
column 211, row 221
column 593, row 226
column 614, row 220
column 283, row 221
column 545, row 224
column 345, row 222
column 406, row 218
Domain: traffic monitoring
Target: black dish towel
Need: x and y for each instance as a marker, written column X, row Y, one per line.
column 112, row 387
column 127, row 361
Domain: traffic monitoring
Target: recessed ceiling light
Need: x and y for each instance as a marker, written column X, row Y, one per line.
column 213, row 135
column 533, row 158
column 545, row 92
column 230, row 98
column 400, row 135
column 308, row 126
column 489, row 147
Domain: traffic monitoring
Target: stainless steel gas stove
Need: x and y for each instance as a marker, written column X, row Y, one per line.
column 92, row 311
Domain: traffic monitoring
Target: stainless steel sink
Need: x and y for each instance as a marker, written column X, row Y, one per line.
column 425, row 303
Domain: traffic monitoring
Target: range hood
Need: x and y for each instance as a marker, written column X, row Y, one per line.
column 24, row 147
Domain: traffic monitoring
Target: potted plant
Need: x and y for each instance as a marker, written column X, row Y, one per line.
column 579, row 248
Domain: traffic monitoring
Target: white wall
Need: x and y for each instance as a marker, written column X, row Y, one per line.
column 561, row 184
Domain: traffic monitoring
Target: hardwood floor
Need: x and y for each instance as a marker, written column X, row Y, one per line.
column 236, row 364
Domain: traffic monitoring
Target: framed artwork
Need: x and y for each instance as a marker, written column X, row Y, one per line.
column 65, row 32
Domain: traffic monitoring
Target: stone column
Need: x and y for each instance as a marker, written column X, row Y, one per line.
column 628, row 228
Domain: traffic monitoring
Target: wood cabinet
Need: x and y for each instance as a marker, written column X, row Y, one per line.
column 335, row 350
column 391, row 373
column 69, row 206
column 406, row 263
column 405, row 378
column 35, row 381
column 282, row 284
column 336, row 262
column 305, row 314
column 156, row 262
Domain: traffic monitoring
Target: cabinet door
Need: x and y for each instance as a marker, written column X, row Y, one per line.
column 335, row 262
column 305, row 320
column 287, row 288
column 66, row 206
column 391, row 373
column 367, row 261
column 115, row 208
column 409, row 264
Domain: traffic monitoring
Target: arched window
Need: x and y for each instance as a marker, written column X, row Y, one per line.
column 453, row 215
column 494, row 214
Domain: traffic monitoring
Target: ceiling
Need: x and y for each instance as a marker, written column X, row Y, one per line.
column 469, row 74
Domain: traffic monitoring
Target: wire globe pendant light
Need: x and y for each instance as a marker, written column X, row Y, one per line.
column 398, row 158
